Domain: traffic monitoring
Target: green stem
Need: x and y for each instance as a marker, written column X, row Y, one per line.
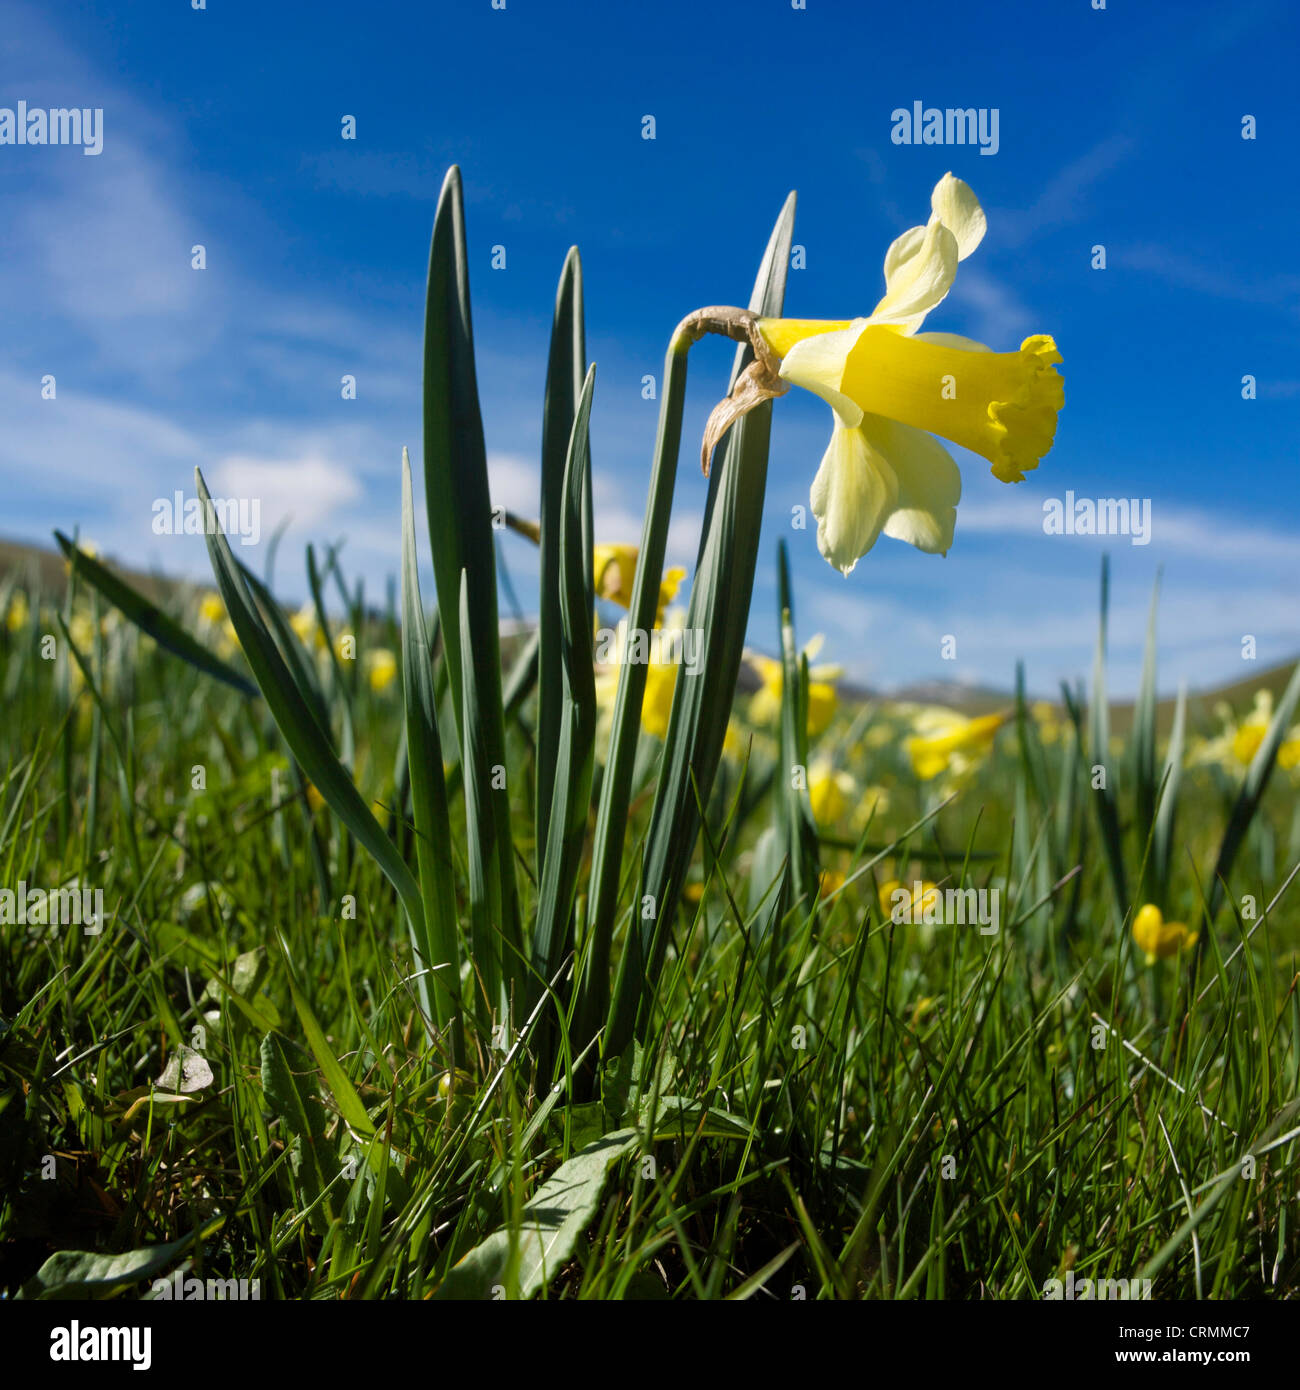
column 616, row 786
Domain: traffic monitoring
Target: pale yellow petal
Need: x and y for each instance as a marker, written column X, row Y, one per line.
column 920, row 282
column 929, row 484
column 901, row 250
column 957, row 207
column 852, row 496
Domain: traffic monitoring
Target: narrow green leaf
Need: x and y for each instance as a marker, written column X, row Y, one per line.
column 307, row 740
column 566, row 368
column 484, row 881
column 459, row 508
column 571, row 787
column 1162, row 843
column 1105, row 796
column 440, row 952
column 290, row 1095
column 1143, row 737
column 150, row 619
column 1249, row 797
column 343, row 1091
column 799, row 830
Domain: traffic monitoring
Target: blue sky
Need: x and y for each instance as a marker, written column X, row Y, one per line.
column 1119, row 127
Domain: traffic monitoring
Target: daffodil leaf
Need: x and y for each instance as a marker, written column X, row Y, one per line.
column 150, row 619
column 565, row 372
column 438, row 949
column 459, row 506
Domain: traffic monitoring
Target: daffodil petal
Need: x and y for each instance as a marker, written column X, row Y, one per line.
column 929, row 484
column 957, row 207
column 920, row 282
column 852, row 496
column 817, row 364
column 901, row 250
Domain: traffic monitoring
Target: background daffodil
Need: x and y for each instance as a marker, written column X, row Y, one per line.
column 944, row 737
column 765, row 706
column 1158, row 939
column 614, row 569
column 893, row 389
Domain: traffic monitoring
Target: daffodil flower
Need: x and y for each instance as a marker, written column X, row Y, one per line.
column 381, row 668
column 660, row 679
column 829, row 792
column 1158, row 939
column 893, row 389
column 211, row 609
column 614, row 569
column 947, row 739
column 1236, row 746
column 1249, row 734
column 765, row 707
column 18, row 612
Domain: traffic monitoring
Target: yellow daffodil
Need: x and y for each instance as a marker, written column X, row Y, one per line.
column 18, row 613
column 660, row 683
column 661, row 673
column 82, row 631
column 381, row 668
column 946, row 740
column 305, row 626
column 831, row 881
column 211, row 609
column 1235, row 747
column 1158, row 939
column 1288, row 752
column 1048, row 719
column 765, row 706
column 893, row 389
column 829, row 792
column 614, row 569
column 736, row 742
column 1249, row 734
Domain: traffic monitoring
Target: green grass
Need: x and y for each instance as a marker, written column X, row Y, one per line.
column 799, row 1089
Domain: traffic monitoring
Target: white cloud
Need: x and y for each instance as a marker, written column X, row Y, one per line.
column 310, row 490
